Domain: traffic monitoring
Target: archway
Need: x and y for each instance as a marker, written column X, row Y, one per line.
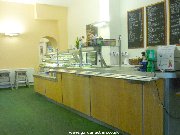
column 47, row 45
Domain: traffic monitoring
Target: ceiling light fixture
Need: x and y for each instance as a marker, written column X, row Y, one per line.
column 100, row 24
column 11, row 34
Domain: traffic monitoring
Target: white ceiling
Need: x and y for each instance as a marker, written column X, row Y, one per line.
column 49, row 2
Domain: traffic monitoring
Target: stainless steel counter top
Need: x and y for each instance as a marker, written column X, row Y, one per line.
column 119, row 70
column 47, row 77
column 128, row 73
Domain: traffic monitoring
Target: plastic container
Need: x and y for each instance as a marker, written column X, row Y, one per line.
column 143, row 67
column 150, row 67
column 150, row 54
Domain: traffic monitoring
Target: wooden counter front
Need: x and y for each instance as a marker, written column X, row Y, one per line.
column 76, row 92
column 153, row 110
column 117, row 103
column 50, row 88
column 53, row 90
column 39, row 85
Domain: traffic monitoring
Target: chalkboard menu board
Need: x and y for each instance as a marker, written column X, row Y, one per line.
column 174, row 6
column 156, row 24
column 135, row 28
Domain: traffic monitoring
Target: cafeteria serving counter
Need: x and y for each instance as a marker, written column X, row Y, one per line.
column 137, row 103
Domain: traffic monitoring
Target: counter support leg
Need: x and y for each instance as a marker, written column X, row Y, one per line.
column 166, row 103
column 142, row 108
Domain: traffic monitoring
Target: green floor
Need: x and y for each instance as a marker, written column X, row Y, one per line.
column 23, row 112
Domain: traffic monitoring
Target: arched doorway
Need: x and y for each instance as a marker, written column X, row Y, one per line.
column 47, row 45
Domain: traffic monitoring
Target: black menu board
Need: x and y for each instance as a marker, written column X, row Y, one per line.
column 156, row 24
column 135, row 28
column 174, row 10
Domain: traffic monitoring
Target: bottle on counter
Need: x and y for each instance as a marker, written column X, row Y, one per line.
column 143, row 63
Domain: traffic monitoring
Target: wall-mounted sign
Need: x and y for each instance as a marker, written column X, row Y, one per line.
column 135, row 28
column 156, row 24
column 174, row 12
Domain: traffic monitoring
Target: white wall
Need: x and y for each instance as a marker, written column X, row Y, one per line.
column 125, row 6
column 114, row 12
column 81, row 13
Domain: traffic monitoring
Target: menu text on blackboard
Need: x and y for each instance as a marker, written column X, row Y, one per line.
column 174, row 9
column 135, row 28
column 156, row 24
